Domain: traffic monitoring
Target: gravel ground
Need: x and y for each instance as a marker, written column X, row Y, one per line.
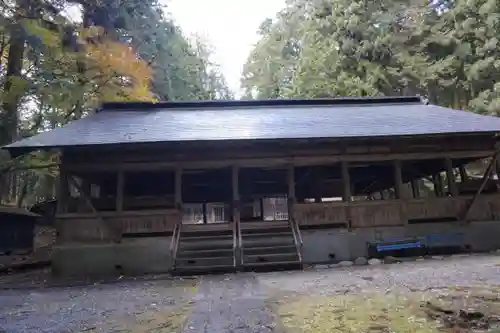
column 223, row 303
column 408, row 276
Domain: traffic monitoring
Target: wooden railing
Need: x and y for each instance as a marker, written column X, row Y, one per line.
column 174, row 243
column 236, row 244
column 85, row 228
column 240, row 241
column 378, row 213
column 297, row 237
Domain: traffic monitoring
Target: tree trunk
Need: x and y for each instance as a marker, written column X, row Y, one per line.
column 13, row 86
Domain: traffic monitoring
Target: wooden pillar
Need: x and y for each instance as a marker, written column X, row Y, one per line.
column 62, row 195
column 261, row 202
column 237, row 238
column 347, row 194
column 63, row 191
column 436, row 180
column 463, row 174
column 178, row 188
column 497, row 170
column 400, row 190
column 120, row 187
column 415, row 187
column 346, row 181
column 204, row 211
column 450, row 176
column 178, row 194
column 236, row 194
column 291, row 190
column 398, row 180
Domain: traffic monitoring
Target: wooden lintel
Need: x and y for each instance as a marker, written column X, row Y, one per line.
column 273, row 161
column 450, row 176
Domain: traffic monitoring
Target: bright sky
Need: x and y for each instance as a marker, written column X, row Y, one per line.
column 230, row 26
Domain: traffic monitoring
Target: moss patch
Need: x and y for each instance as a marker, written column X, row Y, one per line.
column 452, row 310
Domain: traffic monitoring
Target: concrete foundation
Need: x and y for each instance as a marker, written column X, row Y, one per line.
column 151, row 255
column 132, row 256
column 322, row 246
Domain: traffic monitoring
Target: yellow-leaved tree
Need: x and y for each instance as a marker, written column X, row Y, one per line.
column 74, row 77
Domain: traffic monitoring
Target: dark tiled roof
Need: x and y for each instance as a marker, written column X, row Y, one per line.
column 279, row 119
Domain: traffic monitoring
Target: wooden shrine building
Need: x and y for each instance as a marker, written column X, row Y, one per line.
column 201, row 186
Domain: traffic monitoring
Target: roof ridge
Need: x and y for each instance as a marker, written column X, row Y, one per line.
column 119, row 106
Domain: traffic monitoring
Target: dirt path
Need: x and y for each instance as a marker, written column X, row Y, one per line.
column 231, row 304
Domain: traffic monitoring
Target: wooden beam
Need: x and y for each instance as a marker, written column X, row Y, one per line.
column 450, row 176
column 273, row 161
column 486, row 176
column 120, row 187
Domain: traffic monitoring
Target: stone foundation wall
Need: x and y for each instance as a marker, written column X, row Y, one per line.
column 322, row 246
column 132, row 256
column 151, row 255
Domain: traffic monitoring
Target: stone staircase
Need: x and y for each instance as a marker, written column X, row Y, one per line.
column 255, row 246
column 269, row 245
column 205, row 251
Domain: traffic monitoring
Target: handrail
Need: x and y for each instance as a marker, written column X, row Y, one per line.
column 299, row 234
column 235, row 239
column 297, row 238
column 174, row 244
column 240, row 241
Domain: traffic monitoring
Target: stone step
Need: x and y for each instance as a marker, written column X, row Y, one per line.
column 285, row 233
column 198, row 259
column 269, row 249
column 192, row 238
column 270, row 257
column 208, row 269
column 272, row 266
column 205, row 252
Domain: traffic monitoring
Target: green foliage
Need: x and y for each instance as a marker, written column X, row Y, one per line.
column 54, row 69
column 446, row 50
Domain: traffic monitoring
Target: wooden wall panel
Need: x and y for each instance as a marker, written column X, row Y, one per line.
column 153, row 223
column 434, row 208
column 92, row 229
column 82, row 230
column 376, row 215
column 320, row 213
